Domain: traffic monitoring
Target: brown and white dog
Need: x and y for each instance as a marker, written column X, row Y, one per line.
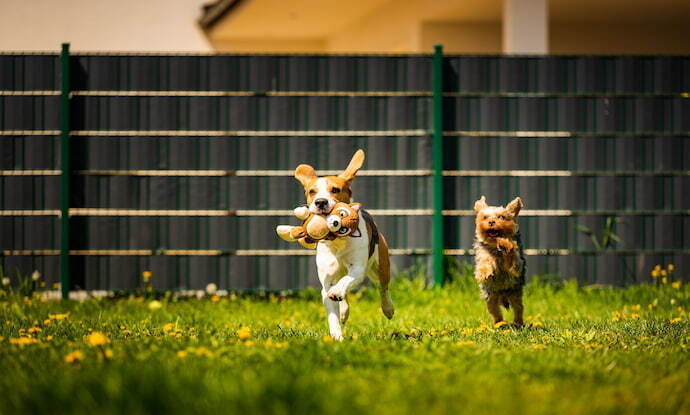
column 343, row 263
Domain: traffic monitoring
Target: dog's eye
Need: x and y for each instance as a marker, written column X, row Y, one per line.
column 501, row 217
column 312, row 192
column 335, row 190
column 486, row 217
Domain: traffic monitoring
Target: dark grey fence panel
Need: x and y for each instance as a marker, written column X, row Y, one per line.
column 580, row 139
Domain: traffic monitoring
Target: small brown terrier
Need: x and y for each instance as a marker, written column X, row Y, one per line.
column 499, row 262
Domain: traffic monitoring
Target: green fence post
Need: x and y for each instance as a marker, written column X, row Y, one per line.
column 437, row 156
column 64, row 166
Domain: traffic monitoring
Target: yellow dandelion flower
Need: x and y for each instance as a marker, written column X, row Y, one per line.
column 538, row 347
column 676, row 284
column 657, row 267
column 35, row 330
column 443, row 332
column 663, row 273
column 249, row 343
column 635, row 316
column 58, row 316
column 675, row 320
column 500, row 324
column 49, row 338
column 108, row 354
column 215, row 299
column 155, row 305
column 671, row 267
column 146, row 275
column 181, row 354
column 673, row 301
column 202, row 351
column 74, row 357
column 654, row 273
column 664, row 280
column 47, row 322
column 244, row 333
column 24, row 341
column 97, row 339
column 328, row 339
column 636, row 307
column 537, row 324
column 464, row 343
column 168, row 327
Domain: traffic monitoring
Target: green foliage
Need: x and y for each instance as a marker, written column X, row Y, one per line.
column 585, row 350
column 607, row 238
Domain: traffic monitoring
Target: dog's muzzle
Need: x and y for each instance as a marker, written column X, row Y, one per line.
column 321, row 204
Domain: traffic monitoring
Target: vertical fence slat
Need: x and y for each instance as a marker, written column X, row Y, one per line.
column 65, row 174
column 437, row 151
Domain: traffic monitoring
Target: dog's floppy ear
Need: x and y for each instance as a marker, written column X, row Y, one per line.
column 305, row 174
column 514, row 207
column 480, row 204
column 354, row 166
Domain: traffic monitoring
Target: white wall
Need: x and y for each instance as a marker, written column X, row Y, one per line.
column 102, row 25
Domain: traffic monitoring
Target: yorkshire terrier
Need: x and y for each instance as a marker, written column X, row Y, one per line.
column 499, row 261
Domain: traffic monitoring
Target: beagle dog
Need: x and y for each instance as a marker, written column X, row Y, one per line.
column 343, row 263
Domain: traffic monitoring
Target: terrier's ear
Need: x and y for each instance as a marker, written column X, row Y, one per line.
column 355, row 206
column 305, row 174
column 514, row 207
column 354, row 166
column 480, row 204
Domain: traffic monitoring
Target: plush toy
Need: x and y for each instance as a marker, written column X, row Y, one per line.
column 343, row 220
column 313, row 229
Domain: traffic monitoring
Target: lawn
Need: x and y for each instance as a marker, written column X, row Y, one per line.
column 585, row 350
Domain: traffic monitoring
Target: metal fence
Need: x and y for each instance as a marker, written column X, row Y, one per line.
column 182, row 164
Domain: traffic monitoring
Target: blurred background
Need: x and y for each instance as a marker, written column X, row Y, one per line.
column 357, row 26
column 186, row 119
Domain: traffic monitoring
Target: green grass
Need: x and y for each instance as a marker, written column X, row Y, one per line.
column 437, row 355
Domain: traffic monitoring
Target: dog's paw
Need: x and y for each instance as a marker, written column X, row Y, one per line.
column 336, row 293
column 503, row 244
column 387, row 307
column 483, row 272
column 337, row 336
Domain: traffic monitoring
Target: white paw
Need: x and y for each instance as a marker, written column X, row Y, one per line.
column 344, row 315
column 337, row 336
column 336, row 293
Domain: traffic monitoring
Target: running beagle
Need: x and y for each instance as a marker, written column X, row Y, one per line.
column 343, row 263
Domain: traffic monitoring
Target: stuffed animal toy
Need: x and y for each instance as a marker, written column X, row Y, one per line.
column 343, row 220
column 313, row 228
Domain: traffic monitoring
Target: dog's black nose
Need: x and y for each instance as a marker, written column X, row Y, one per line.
column 492, row 223
column 321, row 203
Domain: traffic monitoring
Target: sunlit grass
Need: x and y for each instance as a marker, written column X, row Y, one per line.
column 592, row 349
